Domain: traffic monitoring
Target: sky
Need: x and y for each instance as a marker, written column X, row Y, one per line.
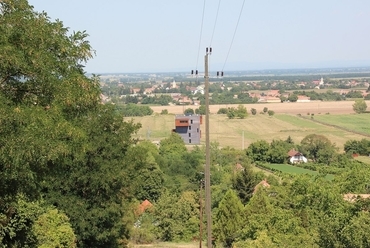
column 133, row 36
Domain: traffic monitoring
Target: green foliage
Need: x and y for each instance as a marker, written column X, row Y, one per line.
column 292, row 97
column 354, row 94
column 253, row 111
column 201, row 110
column 222, row 111
column 278, row 151
column 359, row 106
column 173, row 144
column 356, row 179
column 361, row 147
column 53, row 229
column 229, row 219
column 147, row 178
column 265, row 109
column 189, row 111
column 318, row 148
column 258, row 151
column 31, row 224
column 177, row 218
column 132, row 109
column 240, row 112
column 164, row 112
column 244, row 183
column 271, row 112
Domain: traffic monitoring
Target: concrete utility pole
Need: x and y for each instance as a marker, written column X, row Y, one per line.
column 208, row 155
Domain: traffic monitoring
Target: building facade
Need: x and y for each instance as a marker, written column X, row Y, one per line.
column 188, row 127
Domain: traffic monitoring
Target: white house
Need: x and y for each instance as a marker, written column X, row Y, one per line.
column 296, row 157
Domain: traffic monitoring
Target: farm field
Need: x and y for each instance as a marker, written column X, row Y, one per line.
column 314, row 107
column 229, row 132
column 294, row 170
column 357, row 122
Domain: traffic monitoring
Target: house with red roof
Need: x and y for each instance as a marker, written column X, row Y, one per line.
column 296, row 157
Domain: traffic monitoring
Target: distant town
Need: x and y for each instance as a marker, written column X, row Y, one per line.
column 180, row 88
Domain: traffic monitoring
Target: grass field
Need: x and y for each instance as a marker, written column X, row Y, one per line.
column 229, row 132
column 294, row 170
column 364, row 159
column 357, row 122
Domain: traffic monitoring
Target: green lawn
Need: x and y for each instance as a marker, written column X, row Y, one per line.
column 294, row 170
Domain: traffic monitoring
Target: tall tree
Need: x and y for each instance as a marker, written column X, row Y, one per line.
column 59, row 142
column 229, row 219
column 359, row 106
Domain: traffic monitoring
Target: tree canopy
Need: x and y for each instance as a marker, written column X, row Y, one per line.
column 58, row 143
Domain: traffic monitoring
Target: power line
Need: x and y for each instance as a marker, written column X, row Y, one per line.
column 232, row 40
column 200, row 35
column 214, row 26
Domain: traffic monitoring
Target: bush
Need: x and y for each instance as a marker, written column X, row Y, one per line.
column 142, row 236
column 164, row 112
column 222, row 111
column 253, row 111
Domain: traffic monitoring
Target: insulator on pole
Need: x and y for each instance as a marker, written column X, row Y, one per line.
column 192, row 72
column 218, row 73
column 196, row 72
column 210, row 50
column 222, row 74
column 206, row 49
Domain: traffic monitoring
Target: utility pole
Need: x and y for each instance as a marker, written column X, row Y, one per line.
column 208, row 155
column 200, row 214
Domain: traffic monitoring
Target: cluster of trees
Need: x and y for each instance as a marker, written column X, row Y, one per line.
column 232, row 112
column 329, row 95
column 359, row 147
column 132, row 109
column 294, row 211
column 160, row 100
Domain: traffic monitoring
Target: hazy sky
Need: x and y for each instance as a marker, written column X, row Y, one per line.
column 164, row 35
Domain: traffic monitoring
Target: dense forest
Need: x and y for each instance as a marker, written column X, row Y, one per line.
column 72, row 175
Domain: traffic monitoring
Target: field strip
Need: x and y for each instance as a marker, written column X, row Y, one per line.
column 336, row 126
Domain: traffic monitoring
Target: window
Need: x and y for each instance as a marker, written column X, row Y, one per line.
column 197, row 130
column 189, row 141
column 189, row 134
column 191, row 121
column 189, row 127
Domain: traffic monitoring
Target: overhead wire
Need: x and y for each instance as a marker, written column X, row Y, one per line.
column 201, row 32
column 214, row 26
column 232, row 40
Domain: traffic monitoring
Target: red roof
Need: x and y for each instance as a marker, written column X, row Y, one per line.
column 293, row 153
column 144, row 206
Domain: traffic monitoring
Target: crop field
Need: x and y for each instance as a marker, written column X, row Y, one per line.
column 294, row 170
column 230, row 132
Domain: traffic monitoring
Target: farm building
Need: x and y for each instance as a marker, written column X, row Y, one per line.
column 188, row 127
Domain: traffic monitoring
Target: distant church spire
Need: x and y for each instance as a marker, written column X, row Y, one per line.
column 322, row 81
